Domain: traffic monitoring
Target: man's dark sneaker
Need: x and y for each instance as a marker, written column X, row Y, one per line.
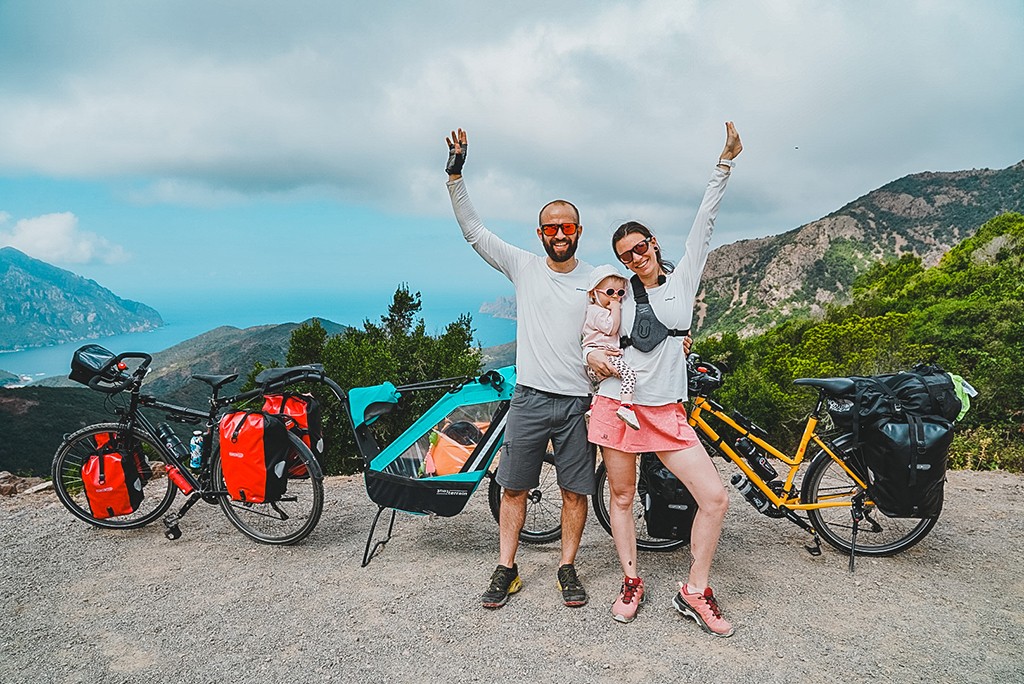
column 573, row 593
column 504, row 582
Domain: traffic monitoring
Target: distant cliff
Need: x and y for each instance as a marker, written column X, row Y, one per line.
column 751, row 285
column 42, row 305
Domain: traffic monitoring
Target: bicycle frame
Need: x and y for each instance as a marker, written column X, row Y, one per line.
column 787, row 499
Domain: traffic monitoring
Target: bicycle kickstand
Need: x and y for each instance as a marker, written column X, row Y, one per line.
column 857, row 513
column 171, row 520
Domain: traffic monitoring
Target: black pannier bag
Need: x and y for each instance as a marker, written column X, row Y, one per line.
column 903, row 425
column 253, row 455
column 669, row 507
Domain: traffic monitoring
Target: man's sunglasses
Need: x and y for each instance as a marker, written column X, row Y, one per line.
column 611, row 292
column 551, row 229
column 639, row 249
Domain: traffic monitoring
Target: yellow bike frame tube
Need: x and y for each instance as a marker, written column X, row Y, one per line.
column 700, row 405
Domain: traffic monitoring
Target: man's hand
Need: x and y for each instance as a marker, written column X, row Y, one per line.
column 733, row 145
column 598, row 362
column 456, row 153
column 687, row 345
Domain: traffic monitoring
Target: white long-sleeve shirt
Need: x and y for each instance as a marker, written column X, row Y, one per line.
column 550, row 306
column 661, row 373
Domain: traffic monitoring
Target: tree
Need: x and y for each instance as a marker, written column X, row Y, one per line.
column 399, row 350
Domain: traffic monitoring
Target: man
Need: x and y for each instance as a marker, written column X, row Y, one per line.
column 552, row 391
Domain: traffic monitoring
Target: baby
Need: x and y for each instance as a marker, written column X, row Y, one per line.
column 601, row 331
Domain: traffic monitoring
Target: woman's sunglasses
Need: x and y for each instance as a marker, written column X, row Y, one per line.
column 611, row 292
column 639, row 249
column 551, row 229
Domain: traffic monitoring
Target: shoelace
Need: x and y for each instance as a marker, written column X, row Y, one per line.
column 569, row 580
column 628, row 591
column 710, row 600
column 499, row 581
column 713, row 604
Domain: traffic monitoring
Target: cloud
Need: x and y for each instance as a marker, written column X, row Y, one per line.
column 56, row 238
column 616, row 105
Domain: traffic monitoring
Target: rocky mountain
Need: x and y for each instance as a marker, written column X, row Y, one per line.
column 752, row 284
column 8, row 378
column 42, row 305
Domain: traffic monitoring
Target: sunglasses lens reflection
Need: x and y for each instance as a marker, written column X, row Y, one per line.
column 551, row 229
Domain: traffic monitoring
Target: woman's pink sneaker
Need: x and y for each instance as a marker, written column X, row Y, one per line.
column 703, row 608
column 631, row 597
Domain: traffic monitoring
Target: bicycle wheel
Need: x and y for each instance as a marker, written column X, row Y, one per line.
column 66, row 471
column 877, row 534
column 287, row 520
column 543, row 521
column 644, row 541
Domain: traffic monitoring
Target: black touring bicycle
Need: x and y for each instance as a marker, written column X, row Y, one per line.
column 126, row 474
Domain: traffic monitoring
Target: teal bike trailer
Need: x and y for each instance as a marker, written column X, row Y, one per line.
column 437, row 463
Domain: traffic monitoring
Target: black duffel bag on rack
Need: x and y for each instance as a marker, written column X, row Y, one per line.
column 903, row 426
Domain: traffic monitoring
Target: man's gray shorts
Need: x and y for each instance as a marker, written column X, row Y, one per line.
column 536, row 418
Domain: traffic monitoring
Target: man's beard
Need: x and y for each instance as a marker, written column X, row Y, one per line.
column 570, row 251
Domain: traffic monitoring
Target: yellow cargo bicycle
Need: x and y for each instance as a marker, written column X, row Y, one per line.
column 832, row 501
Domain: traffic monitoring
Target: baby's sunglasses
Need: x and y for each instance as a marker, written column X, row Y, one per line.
column 551, row 229
column 611, row 292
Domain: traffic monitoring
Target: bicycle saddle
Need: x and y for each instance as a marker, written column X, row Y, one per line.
column 270, row 375
column 216, row 381
column 830, row 385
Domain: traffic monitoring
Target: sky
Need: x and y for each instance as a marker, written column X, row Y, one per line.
column 286, row 159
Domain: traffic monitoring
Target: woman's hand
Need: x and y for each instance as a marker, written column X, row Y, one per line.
column 733, row 145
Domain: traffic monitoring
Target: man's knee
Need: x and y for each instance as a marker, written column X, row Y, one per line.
column 573, row 499
column 514, row 496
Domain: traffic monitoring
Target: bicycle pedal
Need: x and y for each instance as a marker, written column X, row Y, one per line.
column 173, row 532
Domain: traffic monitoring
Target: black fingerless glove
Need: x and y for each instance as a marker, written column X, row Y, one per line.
column 455, row 160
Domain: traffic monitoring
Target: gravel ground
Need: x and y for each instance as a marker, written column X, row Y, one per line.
column 87, row 605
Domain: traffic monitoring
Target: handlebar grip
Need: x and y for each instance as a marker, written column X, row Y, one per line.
column 119, row 382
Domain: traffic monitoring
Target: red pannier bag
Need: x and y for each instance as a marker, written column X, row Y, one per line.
column 112, row 482
column 105, row 441
column 307, row 423
column 253, row 451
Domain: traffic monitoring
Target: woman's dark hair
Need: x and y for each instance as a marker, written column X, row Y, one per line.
column 639, row 228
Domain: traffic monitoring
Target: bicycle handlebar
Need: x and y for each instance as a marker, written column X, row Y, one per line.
column 120, row 381
column 703, row 376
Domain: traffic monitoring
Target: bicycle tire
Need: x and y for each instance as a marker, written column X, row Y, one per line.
column 66, row 473
column 543, row 522
column 644, row 542
column 288, row 520
column 878, row 534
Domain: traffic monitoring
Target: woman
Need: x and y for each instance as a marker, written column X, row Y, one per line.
column 658, row 403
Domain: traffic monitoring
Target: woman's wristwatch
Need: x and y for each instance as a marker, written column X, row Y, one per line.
column 727, row 162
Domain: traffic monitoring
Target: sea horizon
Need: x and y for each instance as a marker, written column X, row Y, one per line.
column 55, row 360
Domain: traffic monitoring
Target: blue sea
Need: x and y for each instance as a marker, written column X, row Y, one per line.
column 33, row 364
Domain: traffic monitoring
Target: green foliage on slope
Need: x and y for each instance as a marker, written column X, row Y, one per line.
column 966, row 314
